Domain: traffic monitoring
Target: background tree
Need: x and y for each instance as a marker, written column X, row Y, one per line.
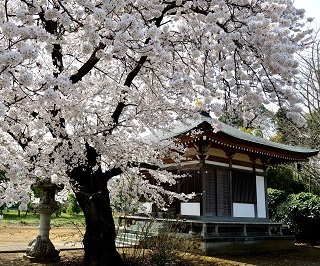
column 308, row 88
column 2, row 190
column 81, row 80
column 73, row 206
column 285, row 179
column 310, row 91
column 300, row 211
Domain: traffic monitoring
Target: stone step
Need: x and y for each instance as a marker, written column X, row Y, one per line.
column 154, row 227
column 132, row 235
column 129, row 236
column 127, row 240
column 120, row 243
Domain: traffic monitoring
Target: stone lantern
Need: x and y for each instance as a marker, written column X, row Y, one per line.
column 41, row 249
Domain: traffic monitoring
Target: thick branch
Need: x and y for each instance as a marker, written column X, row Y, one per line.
column 113, row 172
column 118, row 171
column 87, row 66
column 117, row 112
column 23, row 144
column 136, row 70
column 49, row 25
column 92, row 156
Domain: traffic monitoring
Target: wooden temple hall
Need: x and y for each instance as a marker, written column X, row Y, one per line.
column 227, row 172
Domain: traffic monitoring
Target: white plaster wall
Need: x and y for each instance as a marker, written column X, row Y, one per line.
column 190, row 208
column 243, row 210
column 261, row 197
column 241, row 157
column 190, row 151
column 145, row 208
column 217, row 152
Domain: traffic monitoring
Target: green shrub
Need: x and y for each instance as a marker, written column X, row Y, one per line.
column 301, row 212
column 275, row 198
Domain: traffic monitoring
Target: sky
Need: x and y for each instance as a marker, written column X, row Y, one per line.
column 312, row 8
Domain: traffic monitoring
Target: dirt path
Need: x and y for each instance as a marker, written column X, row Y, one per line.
column 16, row 236
column 25, row 234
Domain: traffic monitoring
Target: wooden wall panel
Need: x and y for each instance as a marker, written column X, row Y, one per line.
column 223, row 193
column 210, row 191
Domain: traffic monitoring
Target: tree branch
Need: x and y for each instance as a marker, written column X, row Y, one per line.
column 87, row 66
column 117, row 112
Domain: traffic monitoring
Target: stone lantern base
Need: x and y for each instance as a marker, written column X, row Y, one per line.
column 41, row 250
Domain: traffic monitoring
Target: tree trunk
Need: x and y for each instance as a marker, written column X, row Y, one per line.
column 99, row 239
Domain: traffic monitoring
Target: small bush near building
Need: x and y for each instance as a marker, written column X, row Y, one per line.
column 275, row 198
column 168, row 247
column 301, row 212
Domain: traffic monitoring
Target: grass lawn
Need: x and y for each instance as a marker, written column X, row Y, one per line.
column 11, row 218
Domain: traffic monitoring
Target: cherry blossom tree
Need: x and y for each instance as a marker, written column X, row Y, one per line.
column 81, row 81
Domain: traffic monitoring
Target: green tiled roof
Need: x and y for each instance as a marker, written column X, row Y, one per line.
column 251, row 138
column 180, row 128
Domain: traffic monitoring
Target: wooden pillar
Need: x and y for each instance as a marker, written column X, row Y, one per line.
column 230, row 156
column 178, row 205
column 245, row 230
column 265, row 166
column 203, row 203
column 204, row 230
column 216, row 230
column 269, row 230
column 253, row 162
column 201, row 179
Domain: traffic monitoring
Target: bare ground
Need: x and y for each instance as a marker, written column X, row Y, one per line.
column 68, row 258
column 301, row 256
column 17, row 236
column 24, row 234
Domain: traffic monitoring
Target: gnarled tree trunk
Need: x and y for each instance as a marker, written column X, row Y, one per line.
column 99, row 240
